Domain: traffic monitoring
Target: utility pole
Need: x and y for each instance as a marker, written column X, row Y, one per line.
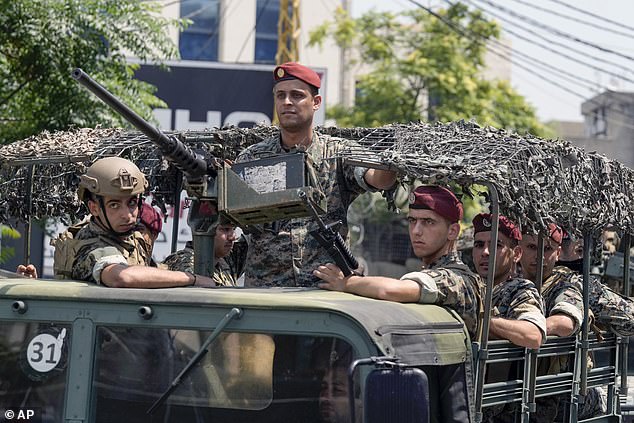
column 287, row 36
column 288, row 28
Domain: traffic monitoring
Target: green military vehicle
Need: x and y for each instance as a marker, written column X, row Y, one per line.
column 76, row 352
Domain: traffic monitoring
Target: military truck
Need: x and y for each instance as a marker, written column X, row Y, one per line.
column 76, row 352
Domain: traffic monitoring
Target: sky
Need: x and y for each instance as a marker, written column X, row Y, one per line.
column 601, row 70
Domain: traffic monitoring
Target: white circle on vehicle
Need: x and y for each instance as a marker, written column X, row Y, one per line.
column 44, row 352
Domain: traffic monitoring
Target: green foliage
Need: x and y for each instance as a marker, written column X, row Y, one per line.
column 412, row 57
column 7, row 252
column 43, row 40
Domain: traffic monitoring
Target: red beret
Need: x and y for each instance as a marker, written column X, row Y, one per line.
column 293, row 70
column 438, row 199
column 151, row 218
column 482, row 223
column 555, row 233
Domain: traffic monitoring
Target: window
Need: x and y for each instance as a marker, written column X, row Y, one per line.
column 243, row 377
column 267, row 14
column 599, row 126
column 33, row 361
column 199, row 41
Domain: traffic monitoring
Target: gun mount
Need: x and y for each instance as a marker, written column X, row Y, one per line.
column 215, row 188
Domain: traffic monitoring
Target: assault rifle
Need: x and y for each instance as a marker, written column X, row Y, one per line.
column 329, row 238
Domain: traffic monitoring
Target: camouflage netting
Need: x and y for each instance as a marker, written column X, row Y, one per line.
column 537, row 180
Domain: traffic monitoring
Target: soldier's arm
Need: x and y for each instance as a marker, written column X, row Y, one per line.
column 124, row 276
column 380, row 179
column 381, row 288
column 560, row 325
column 520, row 332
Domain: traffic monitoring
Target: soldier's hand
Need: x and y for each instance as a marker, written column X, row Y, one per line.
column 332, row 277
column 28, row 271
column 204, row 282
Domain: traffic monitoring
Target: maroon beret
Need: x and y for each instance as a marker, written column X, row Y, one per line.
column 151, row 218
column 555, row 233
column 438, row 199
column 482, row 223
column 293, row 70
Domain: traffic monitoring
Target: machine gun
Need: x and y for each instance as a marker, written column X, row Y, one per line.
column 329, row 238
column 215, row 188
column 200, row 176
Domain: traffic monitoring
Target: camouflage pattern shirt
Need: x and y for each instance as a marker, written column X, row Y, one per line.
column 105, row 249
column 611, row 311
column 452, row 285
column 284, row 253
column 518, row 299
column 562, row 294
column 183, row 260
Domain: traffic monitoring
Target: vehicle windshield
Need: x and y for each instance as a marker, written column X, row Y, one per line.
column 244, row 377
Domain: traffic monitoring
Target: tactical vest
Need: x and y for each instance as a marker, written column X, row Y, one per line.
column 67, row 247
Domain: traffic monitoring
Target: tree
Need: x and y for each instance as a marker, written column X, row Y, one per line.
column 420, row 68
column 43, row 40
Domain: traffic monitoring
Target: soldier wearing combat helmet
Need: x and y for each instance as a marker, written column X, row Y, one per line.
column 109, row 250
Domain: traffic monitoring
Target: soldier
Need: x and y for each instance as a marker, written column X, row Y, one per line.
column 284, row 253
column 109, row 250
column 563, row 304
column 562, row 294
column 434, row 213
column 226, row 272
column 518, row 311
column 434, row 216
column 611, row 311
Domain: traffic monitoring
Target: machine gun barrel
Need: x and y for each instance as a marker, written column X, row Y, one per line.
column 193, row 166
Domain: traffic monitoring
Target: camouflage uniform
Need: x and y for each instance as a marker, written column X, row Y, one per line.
column 456, row 287
column 284, row 253
column 562, row 294
column 105, row 249
column 612, row 312
column 514, row 299
column 518, row 299
column 183, row 260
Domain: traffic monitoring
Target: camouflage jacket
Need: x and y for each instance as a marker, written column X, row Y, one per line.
column 101, row 248
column 611, row 311
column 518, row 299
column 456, row 287
column 183, row 260
column 562, row 294
column 284, row 253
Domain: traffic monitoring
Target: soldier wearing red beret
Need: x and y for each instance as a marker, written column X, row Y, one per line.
column 284, row 254
column 518, row 313
column 434, row 216
column 563, row 300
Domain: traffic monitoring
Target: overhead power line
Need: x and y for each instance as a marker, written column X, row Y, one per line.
column 553, row 50
column 555, row 30
column 572, row 18
column 463, row 32
column 585, row 12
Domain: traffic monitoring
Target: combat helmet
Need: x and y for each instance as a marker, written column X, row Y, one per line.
column 112, row 177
